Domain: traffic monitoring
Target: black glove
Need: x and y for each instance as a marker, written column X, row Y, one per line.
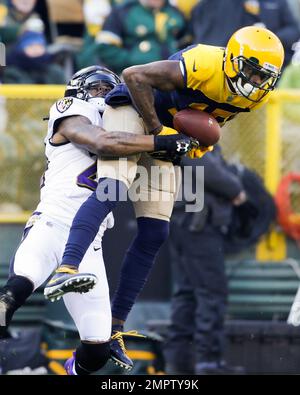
column 171, row 147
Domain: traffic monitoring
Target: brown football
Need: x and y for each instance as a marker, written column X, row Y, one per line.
column 198, row 124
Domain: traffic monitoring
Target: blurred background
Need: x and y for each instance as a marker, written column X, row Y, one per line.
column 46, row 42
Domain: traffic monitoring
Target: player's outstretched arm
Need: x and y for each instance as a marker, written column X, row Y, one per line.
column 81, row 132
column 164, row 75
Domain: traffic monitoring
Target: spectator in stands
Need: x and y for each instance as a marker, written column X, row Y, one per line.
column 210, row 27
column 28, row 62
column 295, row 8
column 27, row 58
column 95, row 13
column 184, row 6
column 195, row 342
column 15, row 17
column 139, row 32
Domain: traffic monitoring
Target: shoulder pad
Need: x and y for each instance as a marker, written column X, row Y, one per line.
column 119, row 96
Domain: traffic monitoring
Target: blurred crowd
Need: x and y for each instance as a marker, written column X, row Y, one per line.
column 47, row 40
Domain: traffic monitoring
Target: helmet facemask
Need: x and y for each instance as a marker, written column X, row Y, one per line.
column 95, row 93
column 252, row 78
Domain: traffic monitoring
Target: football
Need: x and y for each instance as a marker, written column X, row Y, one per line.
column 198, row 124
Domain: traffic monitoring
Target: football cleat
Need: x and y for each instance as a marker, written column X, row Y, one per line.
column 67, row 280
column 69, row 365
column 117, row 348
column 8, row 306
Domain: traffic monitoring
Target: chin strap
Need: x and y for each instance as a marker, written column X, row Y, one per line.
column 240, row 89
column 246, row 88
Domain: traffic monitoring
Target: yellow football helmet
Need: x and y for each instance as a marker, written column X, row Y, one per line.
column 253, row 61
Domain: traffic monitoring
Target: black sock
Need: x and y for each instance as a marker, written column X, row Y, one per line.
column 91, row 357
column 20, row 288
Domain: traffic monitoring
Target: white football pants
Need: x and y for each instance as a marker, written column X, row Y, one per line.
column 40, row 253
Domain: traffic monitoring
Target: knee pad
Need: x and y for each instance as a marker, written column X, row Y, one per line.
column 91, row 357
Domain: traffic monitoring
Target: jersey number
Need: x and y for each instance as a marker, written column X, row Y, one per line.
column 87, row 178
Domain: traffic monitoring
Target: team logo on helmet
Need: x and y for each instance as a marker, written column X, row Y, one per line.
column 63, row 104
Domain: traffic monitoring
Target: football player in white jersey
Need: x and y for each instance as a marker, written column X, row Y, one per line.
column 74, row 140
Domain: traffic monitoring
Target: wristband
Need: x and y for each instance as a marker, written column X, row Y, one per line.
column 160, row 143
column 155, row 130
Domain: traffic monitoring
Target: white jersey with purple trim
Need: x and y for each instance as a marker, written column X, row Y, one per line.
column 70, row 176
